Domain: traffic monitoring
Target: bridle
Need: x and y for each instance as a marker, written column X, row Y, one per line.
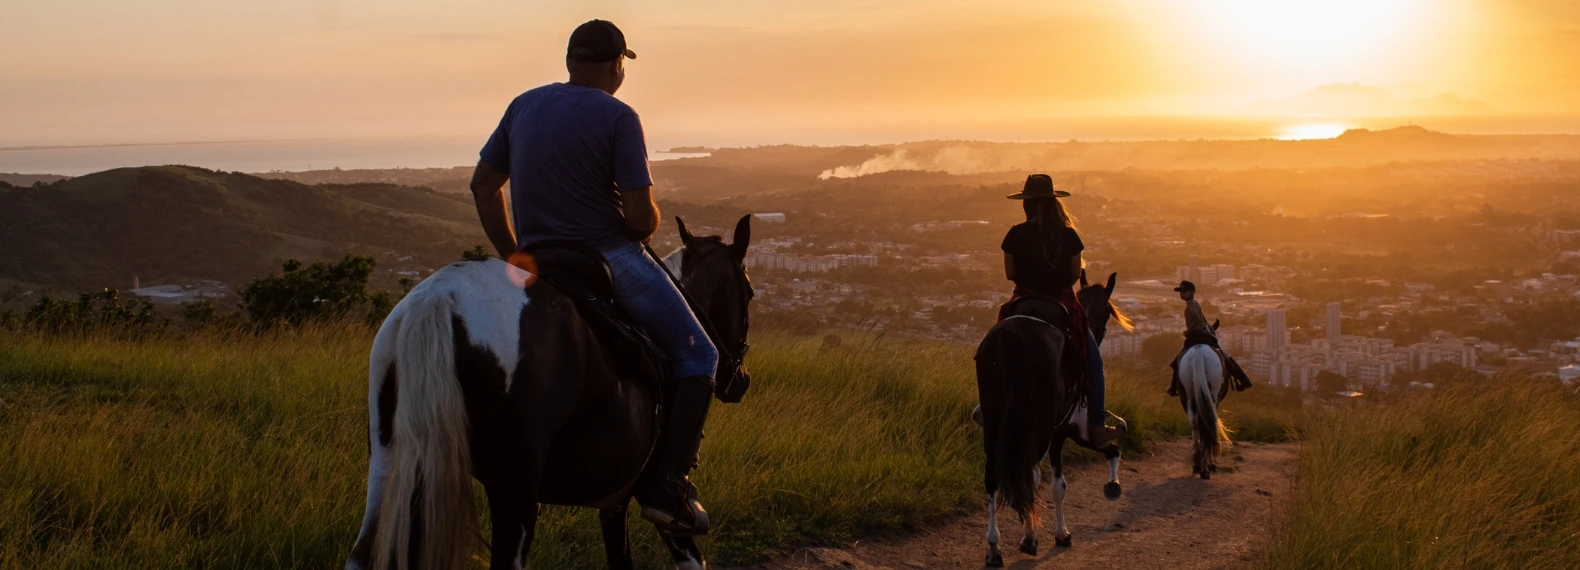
column 1106, row 313
column 732, row 353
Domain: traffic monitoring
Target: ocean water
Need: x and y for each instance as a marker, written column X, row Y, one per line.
column 258, row 156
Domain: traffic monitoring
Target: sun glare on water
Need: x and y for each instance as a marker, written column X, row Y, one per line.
column 1312, row 131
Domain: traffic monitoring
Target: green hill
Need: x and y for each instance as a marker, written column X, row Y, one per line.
column 178, row 223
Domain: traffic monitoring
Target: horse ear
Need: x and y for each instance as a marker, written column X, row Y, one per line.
column 1215, row 323
column 743, row 237
column 685, row 234
column 1113, row 280
column 1084, row 284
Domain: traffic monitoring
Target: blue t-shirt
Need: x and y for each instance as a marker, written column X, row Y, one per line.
column 570, row 151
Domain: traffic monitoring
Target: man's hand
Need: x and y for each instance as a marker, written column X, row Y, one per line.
column 641, row 213
column 488, row 192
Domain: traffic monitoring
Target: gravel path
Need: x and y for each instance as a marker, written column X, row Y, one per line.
column 1167, row 519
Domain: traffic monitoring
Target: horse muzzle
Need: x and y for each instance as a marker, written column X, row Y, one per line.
column 731, row 389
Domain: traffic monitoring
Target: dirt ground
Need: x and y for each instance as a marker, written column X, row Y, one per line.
column 1167, row 519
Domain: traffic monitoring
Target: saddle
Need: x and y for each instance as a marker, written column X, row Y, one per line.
column 1055, row 315
column 581, row 273
column 1197, row 338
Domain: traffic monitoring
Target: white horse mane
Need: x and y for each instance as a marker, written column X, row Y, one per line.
column 673, row 261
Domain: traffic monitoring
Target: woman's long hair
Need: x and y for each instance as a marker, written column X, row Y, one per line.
column 1048, row 234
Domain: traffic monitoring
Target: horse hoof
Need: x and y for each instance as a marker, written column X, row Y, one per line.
column 1111, row 490
column 1206, row 476
column 1213, row 468
column 1063, row 542
column 1028, row 546
column 995, row 560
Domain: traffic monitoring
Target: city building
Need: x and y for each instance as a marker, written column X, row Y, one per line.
column 1333, row 321
column 807, row 263
column 1277, row 332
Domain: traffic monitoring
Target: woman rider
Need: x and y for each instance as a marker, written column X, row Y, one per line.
column 1043, row 257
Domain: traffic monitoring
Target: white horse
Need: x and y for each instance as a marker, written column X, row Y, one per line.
column 1201, row 390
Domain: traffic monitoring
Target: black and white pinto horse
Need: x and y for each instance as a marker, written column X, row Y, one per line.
column 1028, row 410
column 1202, row 388
column 485, row 371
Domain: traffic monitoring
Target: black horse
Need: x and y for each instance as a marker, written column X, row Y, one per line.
column 1031, row 404
column 485, row 371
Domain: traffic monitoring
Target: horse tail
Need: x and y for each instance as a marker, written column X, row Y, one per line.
column 1208, row 427
column 426, row 516
column 1016, row 454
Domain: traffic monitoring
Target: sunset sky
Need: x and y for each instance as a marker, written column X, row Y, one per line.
column 715, row 71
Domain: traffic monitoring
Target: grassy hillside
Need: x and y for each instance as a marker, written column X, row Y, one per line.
column 231, row 452
column 1478, row 476
column 176, row 223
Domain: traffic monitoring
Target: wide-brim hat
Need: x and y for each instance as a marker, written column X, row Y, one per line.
column 1038, row 186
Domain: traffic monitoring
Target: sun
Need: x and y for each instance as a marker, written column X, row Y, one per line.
column 1309, row 31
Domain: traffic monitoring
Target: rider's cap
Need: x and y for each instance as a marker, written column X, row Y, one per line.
column 1038, row 186
column 1185, row 286
column 597, row 41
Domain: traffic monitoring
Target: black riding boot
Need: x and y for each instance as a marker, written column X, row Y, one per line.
column 668, row 499
column 1174, row 381
column 1232, row 369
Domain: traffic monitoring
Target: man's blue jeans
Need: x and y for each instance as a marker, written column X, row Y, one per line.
column 645, row 292
column 1095, row 412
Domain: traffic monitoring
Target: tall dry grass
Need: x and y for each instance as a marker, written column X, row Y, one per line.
column 242, row 451
column 1483, row 475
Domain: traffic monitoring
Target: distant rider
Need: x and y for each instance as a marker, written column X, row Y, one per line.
column 1199, row 332
column 1043, row 257
column 576, row 159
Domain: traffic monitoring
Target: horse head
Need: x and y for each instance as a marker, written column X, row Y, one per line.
column 714, row 274
column 1100, row 308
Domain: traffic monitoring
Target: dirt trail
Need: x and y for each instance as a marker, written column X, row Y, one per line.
column 1166, row 519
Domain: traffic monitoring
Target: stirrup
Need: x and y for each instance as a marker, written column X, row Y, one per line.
column 667, row 523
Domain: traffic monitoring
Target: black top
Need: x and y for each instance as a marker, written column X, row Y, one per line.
column 1040, row 268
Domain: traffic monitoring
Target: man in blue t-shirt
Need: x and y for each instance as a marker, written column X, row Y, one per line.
column 577, row 166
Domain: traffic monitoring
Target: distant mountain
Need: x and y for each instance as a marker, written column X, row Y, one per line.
column 169, row 224
column 1343, row 100
column 454, row 180
column 15, row 179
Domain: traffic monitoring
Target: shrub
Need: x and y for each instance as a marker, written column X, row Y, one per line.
column 101, row 310
column 319, row 292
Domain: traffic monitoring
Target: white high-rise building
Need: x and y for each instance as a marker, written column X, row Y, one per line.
column 1277, row 331
column 1333, row 321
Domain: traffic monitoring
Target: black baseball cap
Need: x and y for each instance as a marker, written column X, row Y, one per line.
column 1185, row 286
column 597, row 41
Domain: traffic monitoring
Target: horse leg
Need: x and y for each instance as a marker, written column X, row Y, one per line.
column 1061, row 533
column 616, row 536
column 1028, row 541
column 512, row 535
column 1203, row 458
column 1112, row 489
column 685, row 553
column 380, row 420
column 362, row 552
column 995, row 558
